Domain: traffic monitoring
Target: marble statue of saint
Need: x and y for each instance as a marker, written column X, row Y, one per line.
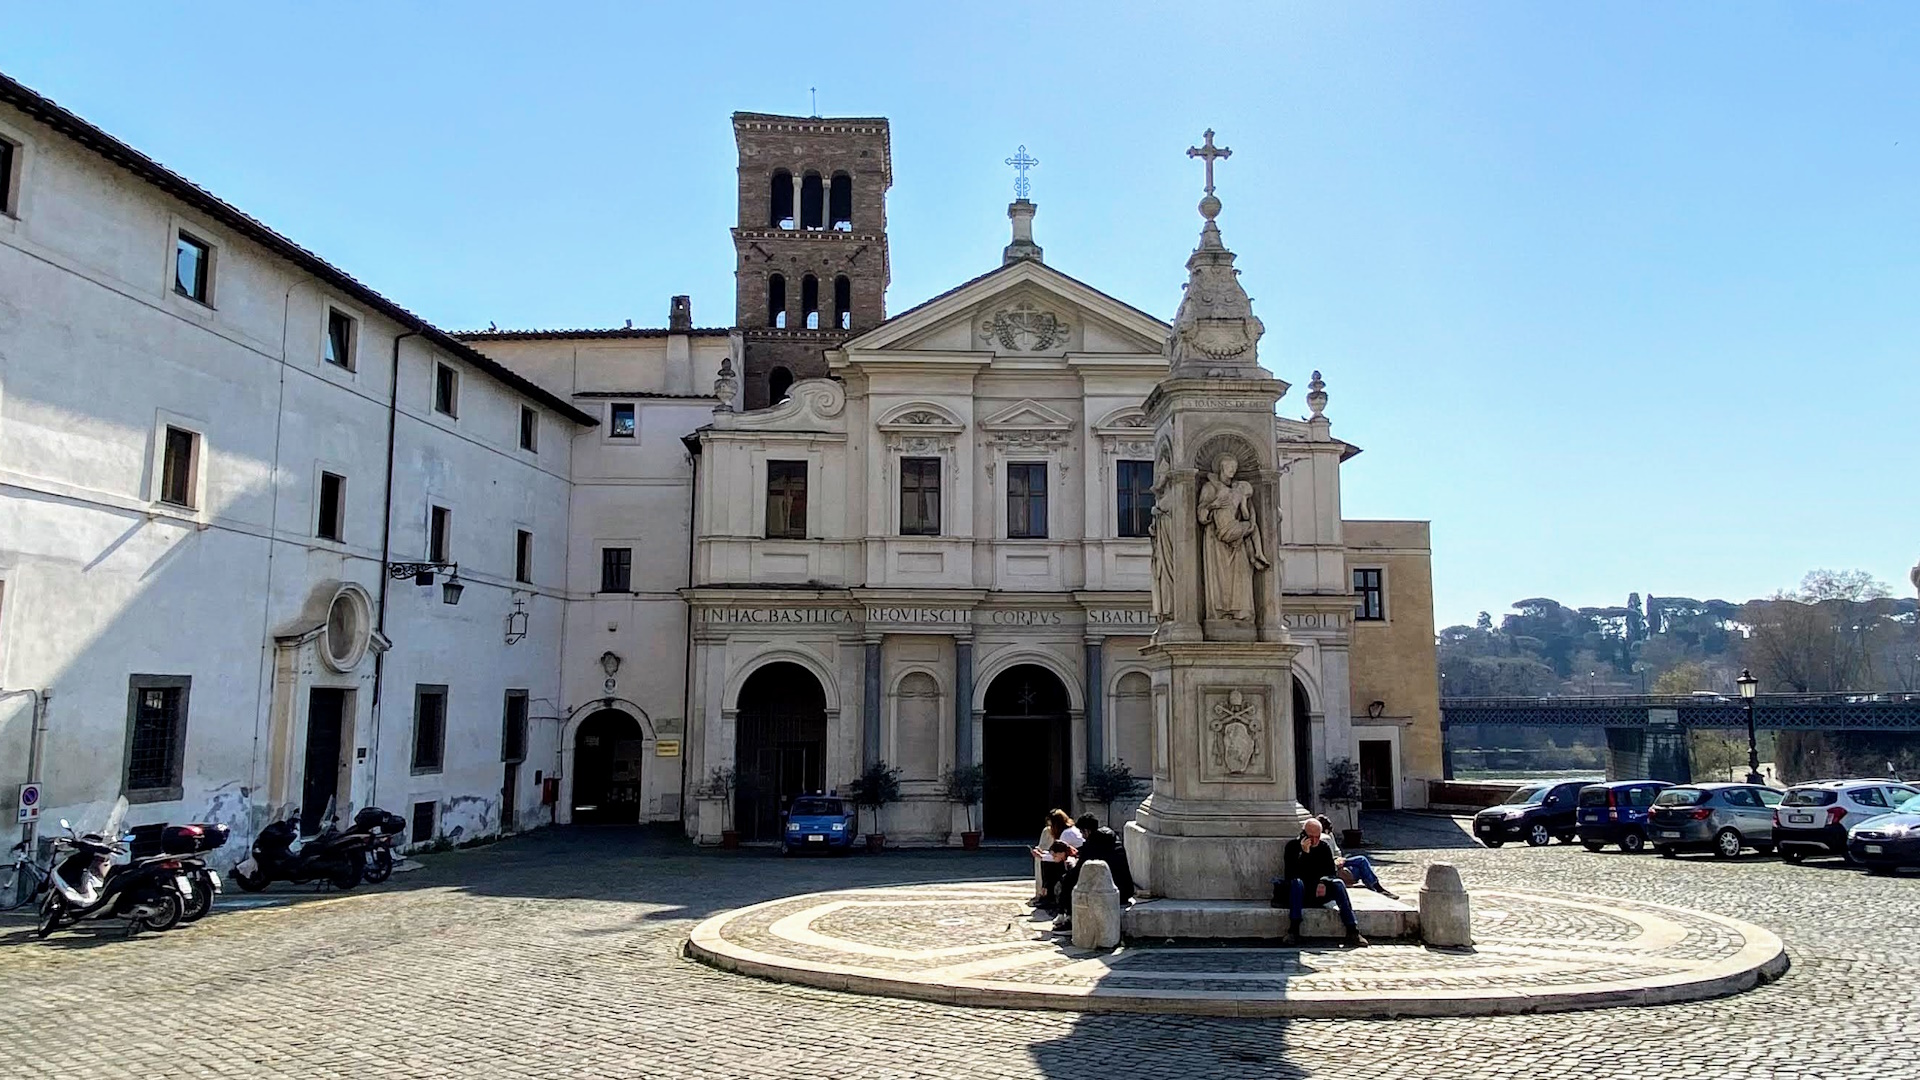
column 1160, row 530
column 1230, row 538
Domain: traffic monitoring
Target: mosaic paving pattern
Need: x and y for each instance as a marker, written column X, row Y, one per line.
column 977, row 943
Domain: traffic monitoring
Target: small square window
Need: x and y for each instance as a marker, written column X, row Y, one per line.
column 429, row 727
column 620, row 420
column 522, row 555
column 179, row 466
column 9, row 153
column 439, row 527
column 330, row 523
column 616, row 569
column 156, row 736
column 446, row 390
column 1369, row 595
column 529, row 428
column 192, row 267
column 340, row 338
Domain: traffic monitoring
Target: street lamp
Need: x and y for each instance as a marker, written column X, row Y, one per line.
column 1748, row 684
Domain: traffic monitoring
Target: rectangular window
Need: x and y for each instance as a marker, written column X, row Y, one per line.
column 529, row 428
column 423, row 815
column 1027, row 500
column 620, row 422
column 446, row 390
column 616, row 569
column 156, row 736
column 180, row 462
column 1133, row 482
column 331, row 523
column 513, row 727
column 787, row 500
column 919, row 496
column 439, row 528
column 1369, row 596
column 340, row 339
column 429, row 727
column 8, row 154
column 522, row 555
column 192, row 267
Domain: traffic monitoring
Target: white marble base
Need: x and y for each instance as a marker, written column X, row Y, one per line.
column 1380, row 919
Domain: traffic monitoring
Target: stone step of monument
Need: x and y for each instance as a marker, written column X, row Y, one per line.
column 1380, row 919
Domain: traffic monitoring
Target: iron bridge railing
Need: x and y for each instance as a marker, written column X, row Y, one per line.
column 1801, row 712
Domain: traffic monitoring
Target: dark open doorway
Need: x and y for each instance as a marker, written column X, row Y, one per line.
column 780, row 746
column 320, row 783
column 608, row 752
column 1376, row 774
column 1303, row 748
column 1026, row 750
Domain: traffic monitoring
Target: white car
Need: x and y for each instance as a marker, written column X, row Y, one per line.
column 1814, row 818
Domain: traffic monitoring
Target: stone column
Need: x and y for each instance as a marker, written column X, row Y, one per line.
column 962, row 701
column 870, row 706
column 1096, row 705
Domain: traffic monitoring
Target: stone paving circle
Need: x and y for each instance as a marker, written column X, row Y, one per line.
column 977, row 943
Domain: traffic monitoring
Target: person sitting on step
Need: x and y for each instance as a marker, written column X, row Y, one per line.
column 1309, row 873
column 1359, row 866
column 1101, row 843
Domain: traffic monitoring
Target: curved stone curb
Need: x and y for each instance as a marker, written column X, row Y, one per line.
column 988, row 973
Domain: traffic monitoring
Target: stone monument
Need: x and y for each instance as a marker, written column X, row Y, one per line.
column 1223, row 805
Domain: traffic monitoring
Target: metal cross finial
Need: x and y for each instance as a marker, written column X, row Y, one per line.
column 813, row 98
column 1021, row 162
column 1207, row 150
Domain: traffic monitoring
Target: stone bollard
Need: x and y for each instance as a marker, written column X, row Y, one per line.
column 1096, row 907
column 1444, row 918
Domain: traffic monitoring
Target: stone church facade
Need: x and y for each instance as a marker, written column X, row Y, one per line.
column 816, row 538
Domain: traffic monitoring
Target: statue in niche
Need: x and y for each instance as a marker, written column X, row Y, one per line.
column 1160, row 532
column 1231, row 542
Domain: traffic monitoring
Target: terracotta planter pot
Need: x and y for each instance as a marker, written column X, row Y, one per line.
column 876, row 841
column 1350, row 838
column 970, row 841
column 729, row 838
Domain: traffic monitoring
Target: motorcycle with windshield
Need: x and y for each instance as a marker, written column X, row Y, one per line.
column 279, row 854
column 88, row 881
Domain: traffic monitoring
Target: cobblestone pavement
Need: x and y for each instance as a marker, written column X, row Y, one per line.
column 559, row 955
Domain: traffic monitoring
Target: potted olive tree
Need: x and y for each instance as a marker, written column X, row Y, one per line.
column 967, row 785
column 876, row 787
column 1110, row 783
column 722, row 784
column 1342, row 791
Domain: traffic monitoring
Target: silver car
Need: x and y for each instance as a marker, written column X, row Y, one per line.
column 1721, row 818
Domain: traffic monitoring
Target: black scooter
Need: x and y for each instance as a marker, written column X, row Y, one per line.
column 383, row 830
column 191, row 843
column 86, row 883
column 333, row 856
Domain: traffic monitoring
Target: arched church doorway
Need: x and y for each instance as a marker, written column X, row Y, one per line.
column 1025, row 750
column 1303, row 748
column 780, row 746
column 608, row 752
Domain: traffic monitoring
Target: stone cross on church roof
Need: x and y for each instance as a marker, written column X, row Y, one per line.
column 1207, row 150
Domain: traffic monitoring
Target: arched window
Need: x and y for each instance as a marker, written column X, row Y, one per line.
column 812, row 202
column 780, row 206
column 776, row 301
column 778, row 380
column 840, row 203
column 810, row 301
column 843, row 302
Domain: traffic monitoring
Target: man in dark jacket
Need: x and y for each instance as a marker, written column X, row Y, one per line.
column 1101, row 843
column 1310, row 873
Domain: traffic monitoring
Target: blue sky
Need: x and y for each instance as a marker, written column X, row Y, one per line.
column 1624, row 297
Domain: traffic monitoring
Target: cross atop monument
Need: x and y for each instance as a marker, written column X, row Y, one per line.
column 1207, row 150
column 1021, row 162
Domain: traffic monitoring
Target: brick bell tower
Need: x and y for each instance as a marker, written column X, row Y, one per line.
column 811, row 243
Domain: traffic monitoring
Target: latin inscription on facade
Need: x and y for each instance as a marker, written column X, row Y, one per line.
column 937, row 616
column 1119, row 617
column 775, row 615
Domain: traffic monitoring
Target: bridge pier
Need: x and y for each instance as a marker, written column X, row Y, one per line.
column 1657, row 751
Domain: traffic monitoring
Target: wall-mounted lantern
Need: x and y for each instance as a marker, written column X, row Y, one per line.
column 422, row 574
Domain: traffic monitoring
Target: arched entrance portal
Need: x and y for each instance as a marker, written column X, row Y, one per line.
column 608, row 752
column 1025, row 750
column 1303, row 748
column 780, row 746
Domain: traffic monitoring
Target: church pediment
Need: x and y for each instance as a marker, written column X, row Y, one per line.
column 1023, row 310
column 1028, row 415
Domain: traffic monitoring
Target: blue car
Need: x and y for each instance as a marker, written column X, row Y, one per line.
column 820, row 823
column 1616, row 813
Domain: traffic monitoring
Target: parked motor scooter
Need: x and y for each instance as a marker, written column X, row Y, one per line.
column 382, row 830
column 191, row 842
column 150, row 893
column 279, row 855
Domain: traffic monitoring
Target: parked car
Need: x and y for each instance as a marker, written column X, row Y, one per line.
column 1885, row 843
column 1814, row 819
column 1616, row 813
column 1537, row 813
column 1722, row 818
column 820, row 823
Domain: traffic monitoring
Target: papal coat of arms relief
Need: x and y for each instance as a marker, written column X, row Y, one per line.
column 1236, row 728
column 1024, row 327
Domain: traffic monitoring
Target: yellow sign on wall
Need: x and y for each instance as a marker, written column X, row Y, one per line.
column 666, row 748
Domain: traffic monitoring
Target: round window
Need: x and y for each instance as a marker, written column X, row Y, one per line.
column 348, row 626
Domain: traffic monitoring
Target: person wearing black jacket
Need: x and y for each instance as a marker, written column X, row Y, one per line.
column 1310, row 873
column 1101, row 843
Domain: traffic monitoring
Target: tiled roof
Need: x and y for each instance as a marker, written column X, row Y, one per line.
column 614, row 332
column 45, row 110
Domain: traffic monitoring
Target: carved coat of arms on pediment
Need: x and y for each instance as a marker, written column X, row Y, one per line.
column 1024, row 327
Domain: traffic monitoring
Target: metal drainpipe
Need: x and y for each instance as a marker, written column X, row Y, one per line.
column 386, row 550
